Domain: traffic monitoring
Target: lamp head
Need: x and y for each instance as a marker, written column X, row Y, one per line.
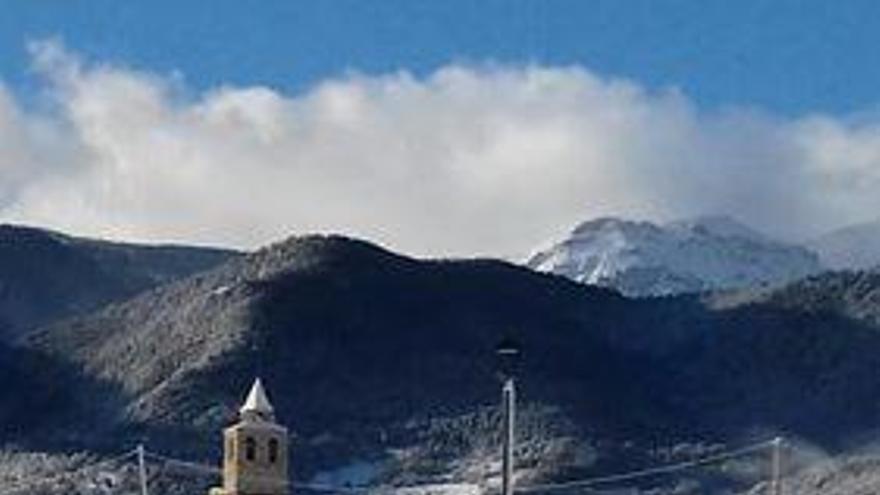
column 508, row 352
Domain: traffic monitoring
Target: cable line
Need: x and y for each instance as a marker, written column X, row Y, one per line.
column 24, row 485
column 644, row 473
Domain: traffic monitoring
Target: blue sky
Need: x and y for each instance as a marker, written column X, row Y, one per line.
column 788, row 57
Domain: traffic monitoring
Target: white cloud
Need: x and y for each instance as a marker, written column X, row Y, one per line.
column 470, row 160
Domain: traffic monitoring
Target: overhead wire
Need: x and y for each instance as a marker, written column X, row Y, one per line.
column 644, row 473
column 361, row 490
column 546, row 487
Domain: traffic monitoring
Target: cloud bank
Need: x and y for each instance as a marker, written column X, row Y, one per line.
column 469, row 160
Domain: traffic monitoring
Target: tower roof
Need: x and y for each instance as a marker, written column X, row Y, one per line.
column 257, row 402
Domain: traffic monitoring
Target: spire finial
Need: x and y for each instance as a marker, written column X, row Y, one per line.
column 257, row 405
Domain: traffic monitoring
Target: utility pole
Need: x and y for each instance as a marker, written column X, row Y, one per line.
column 776, row 467
column 508, row 354
column 142, row 468
column 508, row 400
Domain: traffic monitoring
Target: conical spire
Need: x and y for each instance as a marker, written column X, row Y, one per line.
column 257, row 404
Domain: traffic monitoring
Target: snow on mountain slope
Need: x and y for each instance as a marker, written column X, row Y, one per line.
column 645, row 259
column 854, row 247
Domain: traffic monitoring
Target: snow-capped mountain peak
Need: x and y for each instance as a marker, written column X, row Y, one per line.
column 693, row 255
column 719, row 226
column 854, row 247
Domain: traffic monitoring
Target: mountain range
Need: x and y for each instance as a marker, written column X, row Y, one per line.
column 376, row 359
column 699, row 255
column 47, row 275
column 373, row 357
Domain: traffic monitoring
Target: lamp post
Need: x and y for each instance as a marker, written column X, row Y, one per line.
column 776, row 467
column 508, row 355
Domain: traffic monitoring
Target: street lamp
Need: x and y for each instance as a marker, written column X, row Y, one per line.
column 508, row 352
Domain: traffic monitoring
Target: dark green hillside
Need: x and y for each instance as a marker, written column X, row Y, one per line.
column 45, row 276
column 366, row 353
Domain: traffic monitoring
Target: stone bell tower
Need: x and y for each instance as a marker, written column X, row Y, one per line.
column 255, row 450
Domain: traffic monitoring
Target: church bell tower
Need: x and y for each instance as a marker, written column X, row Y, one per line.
column 255, row 453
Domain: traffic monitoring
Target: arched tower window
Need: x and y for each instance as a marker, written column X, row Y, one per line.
column 273, row 450
column 250, row 448
column 230, row 449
